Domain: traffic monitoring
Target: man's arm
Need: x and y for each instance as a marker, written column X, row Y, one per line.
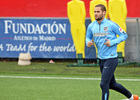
column 122, row 35
column 89, row 36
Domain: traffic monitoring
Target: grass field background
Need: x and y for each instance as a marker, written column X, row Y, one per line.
column 60, row 89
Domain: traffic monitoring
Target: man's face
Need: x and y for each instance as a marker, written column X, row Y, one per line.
column 98, row 13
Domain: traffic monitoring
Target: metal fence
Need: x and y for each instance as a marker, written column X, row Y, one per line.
column 132, row 45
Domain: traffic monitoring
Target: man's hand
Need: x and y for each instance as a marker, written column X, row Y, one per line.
column 107, row 42
column 90, row 43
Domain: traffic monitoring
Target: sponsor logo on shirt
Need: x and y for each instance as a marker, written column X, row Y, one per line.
column 101, row 34
column 111, row 55
column 121, row 30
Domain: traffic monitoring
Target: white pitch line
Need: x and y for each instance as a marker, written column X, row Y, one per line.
column 50, row 77
column 64, row 78
column 128, row 79
column 128, row 99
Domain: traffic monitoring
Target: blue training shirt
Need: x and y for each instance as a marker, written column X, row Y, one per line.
column 105, row 30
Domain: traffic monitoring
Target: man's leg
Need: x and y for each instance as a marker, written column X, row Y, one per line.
column 119, row 88
column 107, row 74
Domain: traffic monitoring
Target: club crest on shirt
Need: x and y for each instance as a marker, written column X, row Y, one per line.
column 105, row 28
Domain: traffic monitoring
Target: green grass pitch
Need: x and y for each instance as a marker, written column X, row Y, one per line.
column 34, row 88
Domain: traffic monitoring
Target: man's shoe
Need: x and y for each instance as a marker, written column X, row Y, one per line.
column 136, row 97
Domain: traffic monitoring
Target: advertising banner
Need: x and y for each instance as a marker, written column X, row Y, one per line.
column 43, row 38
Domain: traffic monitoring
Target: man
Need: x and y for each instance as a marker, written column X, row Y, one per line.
column 104, row 33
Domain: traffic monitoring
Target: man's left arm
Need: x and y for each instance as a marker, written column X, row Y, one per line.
column 122, row 35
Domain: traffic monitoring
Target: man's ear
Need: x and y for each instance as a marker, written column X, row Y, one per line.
column 104, row 12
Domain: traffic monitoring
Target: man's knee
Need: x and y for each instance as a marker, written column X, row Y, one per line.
column 104, row 85
column 114, row 85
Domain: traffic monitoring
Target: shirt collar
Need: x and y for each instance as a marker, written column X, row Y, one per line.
column 102, row 21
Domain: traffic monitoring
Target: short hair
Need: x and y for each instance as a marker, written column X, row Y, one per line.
column 103, row 8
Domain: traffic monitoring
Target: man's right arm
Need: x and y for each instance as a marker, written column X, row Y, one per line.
column 89, row 37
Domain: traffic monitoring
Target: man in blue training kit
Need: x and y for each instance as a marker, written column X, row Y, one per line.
column 104, row 33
